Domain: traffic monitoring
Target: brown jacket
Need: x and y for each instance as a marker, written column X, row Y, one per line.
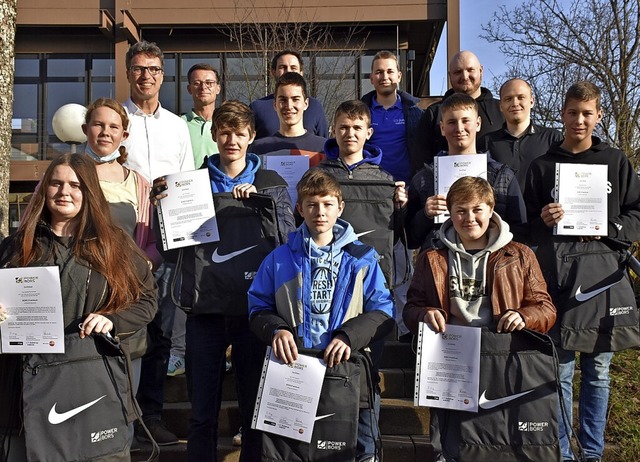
column 515, row 282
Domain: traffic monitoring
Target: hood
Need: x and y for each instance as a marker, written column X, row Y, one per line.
column 343, row 234
column 499, row 236
column 371, row 153
column 597, row 145
column 469, row 297
column 221, row 182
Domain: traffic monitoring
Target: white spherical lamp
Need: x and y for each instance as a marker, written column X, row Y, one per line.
column 67, row 123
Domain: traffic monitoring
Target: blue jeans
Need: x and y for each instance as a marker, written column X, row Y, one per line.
column 207, row 339
column 368, row 431
column 154, row 363
column 594, row 398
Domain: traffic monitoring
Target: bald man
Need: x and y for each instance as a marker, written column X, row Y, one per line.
column 519, row 141
column 465, row 76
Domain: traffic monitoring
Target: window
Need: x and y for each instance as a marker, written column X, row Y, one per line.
column 44, row 82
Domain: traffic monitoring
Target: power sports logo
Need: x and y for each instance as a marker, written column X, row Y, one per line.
column 327, row 445
column 533, row 426
column 102, row 435
column 26, row 279
column 621, row 310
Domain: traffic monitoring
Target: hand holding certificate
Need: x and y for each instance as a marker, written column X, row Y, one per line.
column 448, row 368
column 33, row 302
column 288, row 396
column 581, row 189
column 187, row 216
column 291, row 168
column 448, row 169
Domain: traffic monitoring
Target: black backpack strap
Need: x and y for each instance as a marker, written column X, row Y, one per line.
column 357, row 250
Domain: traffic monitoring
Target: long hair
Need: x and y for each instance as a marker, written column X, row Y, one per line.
column 103, row 245
column 116, row 107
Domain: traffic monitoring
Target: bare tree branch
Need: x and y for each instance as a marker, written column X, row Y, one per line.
column 332, row 78
column 552, row 44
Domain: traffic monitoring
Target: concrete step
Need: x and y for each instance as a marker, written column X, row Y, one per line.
column 397, row 417
column 394, row 383
column 398, row 355
column 396, row 448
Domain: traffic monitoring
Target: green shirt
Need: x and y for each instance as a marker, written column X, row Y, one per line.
column 201, row 140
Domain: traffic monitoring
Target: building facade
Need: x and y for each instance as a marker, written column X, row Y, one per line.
column 73, row 51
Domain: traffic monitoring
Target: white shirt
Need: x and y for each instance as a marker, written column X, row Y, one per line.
column 158, row 143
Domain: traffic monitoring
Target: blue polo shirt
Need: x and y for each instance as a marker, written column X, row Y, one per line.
column 389, row 133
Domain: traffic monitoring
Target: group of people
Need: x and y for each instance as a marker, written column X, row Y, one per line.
column 321, row 287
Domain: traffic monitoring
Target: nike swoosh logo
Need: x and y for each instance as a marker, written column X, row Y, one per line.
column 55, row 418
column 485, row 403
column 583, row 297
column 320, row 417
column 359, row 235
column 217, row 258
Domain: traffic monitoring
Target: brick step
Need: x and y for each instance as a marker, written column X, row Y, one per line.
column 397, row 417
column 398, row 448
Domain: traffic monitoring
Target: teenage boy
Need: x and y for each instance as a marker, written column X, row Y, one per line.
column 519, row 141
column 473, row 278
column 465, row 75
column 351, row 159
column 266, row 120
column 582, row 261
column 291, row 102
column 350, row 156
column 220, row 319
column 477, row 277
column 354, row 306
column 459, row 125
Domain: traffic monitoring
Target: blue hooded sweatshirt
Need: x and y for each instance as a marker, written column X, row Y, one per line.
column 221, row 182
column 371, row 153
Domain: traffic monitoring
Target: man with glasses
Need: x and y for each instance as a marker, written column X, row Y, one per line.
column 204, row 87
column 158, row 144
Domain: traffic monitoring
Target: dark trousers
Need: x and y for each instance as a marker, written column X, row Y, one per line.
column 208, row 336
column 154, row 363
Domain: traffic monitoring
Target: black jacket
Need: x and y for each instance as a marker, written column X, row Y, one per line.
column 623, row 201
column 126, row 322
column 518, row 153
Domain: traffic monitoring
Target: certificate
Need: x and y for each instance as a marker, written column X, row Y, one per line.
column 448, row 368
column 33, row 300
column 582, row 191
column 291, row 168
column 187, row 216
column 448, row 169
column 288, row 396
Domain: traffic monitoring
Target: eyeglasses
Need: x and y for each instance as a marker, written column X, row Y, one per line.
column 206, row 83
column 152, row 70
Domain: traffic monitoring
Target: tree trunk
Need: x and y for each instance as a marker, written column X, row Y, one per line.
column 7, row 53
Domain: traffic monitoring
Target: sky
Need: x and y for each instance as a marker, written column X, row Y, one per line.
column 473, row 14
